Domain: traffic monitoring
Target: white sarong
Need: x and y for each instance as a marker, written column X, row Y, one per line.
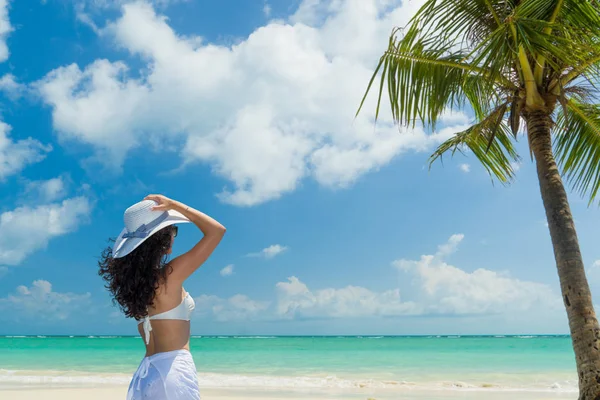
column 165, row 376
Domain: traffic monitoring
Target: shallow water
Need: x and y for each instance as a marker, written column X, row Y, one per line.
column 543, row 364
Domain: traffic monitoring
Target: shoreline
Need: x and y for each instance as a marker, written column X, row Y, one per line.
column 119, row 392
column 73, row 379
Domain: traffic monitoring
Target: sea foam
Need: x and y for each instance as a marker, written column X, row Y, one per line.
column 23, row 379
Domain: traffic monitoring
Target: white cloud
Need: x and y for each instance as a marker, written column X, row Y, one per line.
column 597, row 264
column 5, row 29
column 46, row 191
column 12, row 88
column 265, row 114
column 85, row 18
column 466, row 168
column 236, row 308
column 16, row 155
column 28, row 229
column 267, row 9
column 447, row 289
column 438, row 288
column 227, row 271
column 452, row 117
column 296, row 300
column 40, row 301
column 451, row 246
column 270, row 252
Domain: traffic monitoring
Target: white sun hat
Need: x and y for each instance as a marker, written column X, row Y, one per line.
column 141, row 222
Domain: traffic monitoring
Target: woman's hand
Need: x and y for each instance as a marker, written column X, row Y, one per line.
column 163, row 203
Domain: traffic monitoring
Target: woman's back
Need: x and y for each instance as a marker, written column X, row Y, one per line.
column 166, row 334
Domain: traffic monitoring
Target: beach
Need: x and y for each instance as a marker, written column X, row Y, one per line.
column 232, row 368
column 120, row 392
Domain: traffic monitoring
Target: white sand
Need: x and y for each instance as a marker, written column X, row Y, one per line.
column 239, row 394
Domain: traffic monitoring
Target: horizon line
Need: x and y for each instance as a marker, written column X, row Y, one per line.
column 498, row 335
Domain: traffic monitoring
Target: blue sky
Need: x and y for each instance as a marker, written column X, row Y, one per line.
column 245, row 110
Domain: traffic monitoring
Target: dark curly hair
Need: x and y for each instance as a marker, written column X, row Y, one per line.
column 132, row 280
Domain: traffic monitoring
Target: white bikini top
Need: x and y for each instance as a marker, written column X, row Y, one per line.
column 182, row 312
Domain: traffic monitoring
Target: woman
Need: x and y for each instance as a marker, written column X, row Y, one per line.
column 150, row 289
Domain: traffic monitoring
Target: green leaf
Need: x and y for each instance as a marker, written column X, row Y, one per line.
column 490, row 141
column 577, row 146
column 423, row 82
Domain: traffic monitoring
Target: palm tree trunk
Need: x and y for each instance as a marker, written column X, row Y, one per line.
column 585, row 332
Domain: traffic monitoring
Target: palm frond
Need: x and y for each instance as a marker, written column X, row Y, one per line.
column 582, row 93
column 577, row 146
column 535, row 9
column 558, row 33
column 475, row 89
column 495, row 53
column 563, row 46
column 468, row 19
column 585, row 15
column 424, row 79
column 490, row 141
column 580, row 15
column 589, row 66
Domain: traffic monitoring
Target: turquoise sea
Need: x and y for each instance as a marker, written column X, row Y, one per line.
column 503, row 363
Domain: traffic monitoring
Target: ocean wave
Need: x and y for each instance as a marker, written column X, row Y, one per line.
column 21, row 379
column 234, row 337
column 289, row 382
column 255, row 337
column 101, row 337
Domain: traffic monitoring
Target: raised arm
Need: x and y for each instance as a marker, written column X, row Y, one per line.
column 185, row 265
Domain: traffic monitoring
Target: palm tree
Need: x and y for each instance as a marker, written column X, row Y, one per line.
column 529, row 64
